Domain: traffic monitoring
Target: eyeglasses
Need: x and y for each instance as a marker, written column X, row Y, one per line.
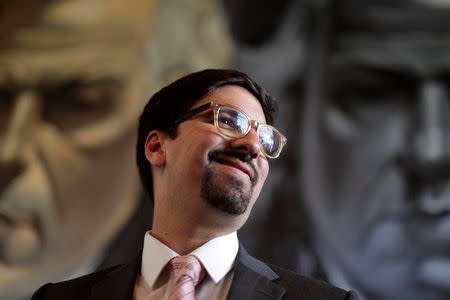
column 234, row 123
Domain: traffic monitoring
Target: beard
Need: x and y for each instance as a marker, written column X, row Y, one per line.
column 232, row 197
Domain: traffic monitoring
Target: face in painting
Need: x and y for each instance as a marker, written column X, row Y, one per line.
column 377, row 150
column 67, row 172
column 226, row 173
column 67, row 153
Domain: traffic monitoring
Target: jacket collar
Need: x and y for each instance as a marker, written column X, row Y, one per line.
column 253, row 279
column 119, row 283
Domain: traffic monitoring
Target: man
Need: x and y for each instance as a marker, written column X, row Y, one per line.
column 203, row 151
column 376, row 148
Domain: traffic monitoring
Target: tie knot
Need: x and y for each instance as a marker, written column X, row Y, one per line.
column 189, row 266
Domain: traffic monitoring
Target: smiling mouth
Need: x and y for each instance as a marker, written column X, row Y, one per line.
column 236, row 160
column 236, row 165
column 9, row 220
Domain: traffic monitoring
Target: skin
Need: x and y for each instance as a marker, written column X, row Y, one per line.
column 376, row 164
column 184, row 220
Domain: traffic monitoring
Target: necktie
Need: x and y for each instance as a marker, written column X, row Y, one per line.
column 188, row 272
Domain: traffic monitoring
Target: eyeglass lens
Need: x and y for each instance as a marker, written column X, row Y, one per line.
column 236, row 124
column 269, row 140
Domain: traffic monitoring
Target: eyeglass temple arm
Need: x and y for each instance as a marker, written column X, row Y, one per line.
column 192, row 112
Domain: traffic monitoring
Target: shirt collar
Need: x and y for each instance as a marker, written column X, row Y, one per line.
column 217, row 256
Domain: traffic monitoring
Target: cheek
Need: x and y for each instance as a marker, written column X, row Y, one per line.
column 263, row 173
column 191, row 150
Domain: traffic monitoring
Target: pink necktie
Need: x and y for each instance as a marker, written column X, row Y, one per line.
column 188, row 273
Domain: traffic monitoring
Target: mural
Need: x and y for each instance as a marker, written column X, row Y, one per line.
column 360, row 197
column 74, row 76
column 372, row 126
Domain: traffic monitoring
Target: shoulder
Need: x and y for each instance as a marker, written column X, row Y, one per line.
column 287, row 284
column 77, row 288
column 298, row 286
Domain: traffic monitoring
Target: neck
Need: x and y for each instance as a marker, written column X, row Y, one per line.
column 186, row 225
column 184, row 240
column 187, row 229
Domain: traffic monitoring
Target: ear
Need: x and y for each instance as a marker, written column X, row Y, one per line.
column 154, row 150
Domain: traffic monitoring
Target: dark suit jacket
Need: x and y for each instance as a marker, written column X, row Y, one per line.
column 252, row 279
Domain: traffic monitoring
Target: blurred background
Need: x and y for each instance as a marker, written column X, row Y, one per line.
column 359, row 198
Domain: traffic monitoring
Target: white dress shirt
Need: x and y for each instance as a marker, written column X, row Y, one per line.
column 217, row 256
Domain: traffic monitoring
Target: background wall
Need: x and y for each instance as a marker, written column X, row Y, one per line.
column 360, row 197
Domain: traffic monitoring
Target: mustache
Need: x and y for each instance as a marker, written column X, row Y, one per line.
column 220, row 155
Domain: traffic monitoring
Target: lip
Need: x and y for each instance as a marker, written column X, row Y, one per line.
column 432, row 231
column 11, row 217
column 434, row 271
column 235, row 163
column 435, row 200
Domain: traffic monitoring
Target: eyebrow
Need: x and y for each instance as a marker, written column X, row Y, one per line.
column 357, row 73
column 191, row 112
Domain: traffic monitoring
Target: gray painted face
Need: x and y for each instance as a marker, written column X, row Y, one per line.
column 377, row 158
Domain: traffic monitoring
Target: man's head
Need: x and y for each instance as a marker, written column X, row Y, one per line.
column 377, row 151
column 164, row 108
column 194, row 142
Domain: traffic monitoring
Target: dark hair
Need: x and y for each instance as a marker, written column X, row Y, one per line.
column 171, row 101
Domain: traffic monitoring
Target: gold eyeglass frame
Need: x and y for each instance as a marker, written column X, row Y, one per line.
column 252, row 124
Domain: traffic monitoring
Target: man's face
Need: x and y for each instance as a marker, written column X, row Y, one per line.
column 68, row 179
column 226, row 174
column 377, row 150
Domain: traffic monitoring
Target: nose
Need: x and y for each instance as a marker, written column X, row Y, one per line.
column 18, row 130
column 430, row 134
column 248, row 144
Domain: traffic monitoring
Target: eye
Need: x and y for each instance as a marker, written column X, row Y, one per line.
column 267, row 139
column 81, row 104
column 228, row 119
column 367, row 97
column 6, row 106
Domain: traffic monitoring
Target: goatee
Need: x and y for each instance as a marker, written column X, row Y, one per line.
column 232, row 197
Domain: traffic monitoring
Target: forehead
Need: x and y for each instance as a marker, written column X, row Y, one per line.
column 60, row 41
column 409, row 35
column 237, row 97
column 417, row 56
column 56, row 66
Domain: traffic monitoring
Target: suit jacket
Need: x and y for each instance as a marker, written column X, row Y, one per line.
column 252, row 279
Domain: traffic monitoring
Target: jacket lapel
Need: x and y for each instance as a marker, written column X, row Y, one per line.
column 253, row 279
column 118, row 284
